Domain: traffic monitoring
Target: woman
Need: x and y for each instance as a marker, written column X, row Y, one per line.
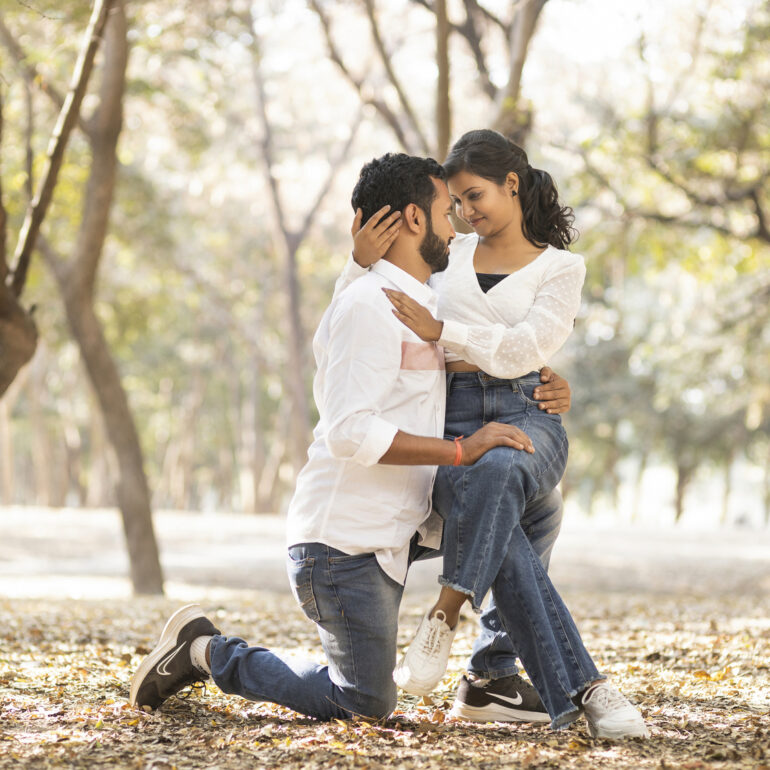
column 507, row 303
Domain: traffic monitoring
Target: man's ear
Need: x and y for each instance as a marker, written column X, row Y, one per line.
column 413, row 217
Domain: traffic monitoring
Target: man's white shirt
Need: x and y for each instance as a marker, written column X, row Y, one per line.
column 375, row 377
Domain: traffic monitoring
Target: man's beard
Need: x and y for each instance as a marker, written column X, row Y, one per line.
column 434, row 251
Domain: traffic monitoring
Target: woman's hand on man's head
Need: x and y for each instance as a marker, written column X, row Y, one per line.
column 372, row 241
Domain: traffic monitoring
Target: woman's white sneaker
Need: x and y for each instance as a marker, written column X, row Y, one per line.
column 610, row 714
column 424, row 663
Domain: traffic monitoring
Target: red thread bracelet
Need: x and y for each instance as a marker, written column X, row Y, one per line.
column 458, row 451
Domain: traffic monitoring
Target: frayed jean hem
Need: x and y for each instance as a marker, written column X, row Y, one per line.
column 475, row 603
column 497, row 673
column 566, row 718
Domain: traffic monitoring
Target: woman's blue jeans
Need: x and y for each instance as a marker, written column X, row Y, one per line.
column 490, row 512
column 355, row 607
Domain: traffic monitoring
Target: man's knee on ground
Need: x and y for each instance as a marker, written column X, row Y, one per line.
column 376, row 706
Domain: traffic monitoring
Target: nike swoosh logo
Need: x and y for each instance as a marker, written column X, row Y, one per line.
column 513, row 701
column 162, row 667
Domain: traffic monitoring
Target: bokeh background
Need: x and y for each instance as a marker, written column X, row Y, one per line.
column 175, row 303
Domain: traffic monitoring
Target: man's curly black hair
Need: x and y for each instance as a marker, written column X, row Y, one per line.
column 396, row 179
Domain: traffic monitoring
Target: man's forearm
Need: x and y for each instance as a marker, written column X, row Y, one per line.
column 408, row 449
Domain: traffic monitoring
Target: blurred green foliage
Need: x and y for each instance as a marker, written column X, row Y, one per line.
column 669, row 177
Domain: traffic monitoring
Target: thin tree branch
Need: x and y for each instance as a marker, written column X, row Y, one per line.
column 29, row 182
column 53, row 259
column 522, row 31
column 385, row 57
column 382, row 108
column 655, row 216
column 334, row 166
column 469, row 31
column 221, row 307
column 443, row 103
column 31, row 74
column 106, row 123
column 67, row 117
column 266, row 142
column 762, row 232
column 474, row 7
column 3, row 216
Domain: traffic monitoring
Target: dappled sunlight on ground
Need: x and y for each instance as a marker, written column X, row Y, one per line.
column 679, row 620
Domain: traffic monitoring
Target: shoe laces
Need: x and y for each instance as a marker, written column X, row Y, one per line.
column 197, row 686
column 431, row 642
column 604, row 696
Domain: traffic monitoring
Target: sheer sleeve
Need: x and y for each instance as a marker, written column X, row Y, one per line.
column 510, row 352
column 350, row 272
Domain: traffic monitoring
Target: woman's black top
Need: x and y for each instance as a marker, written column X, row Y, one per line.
column 488, row 280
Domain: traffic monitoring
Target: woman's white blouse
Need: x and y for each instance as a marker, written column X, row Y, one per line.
column 518, row 325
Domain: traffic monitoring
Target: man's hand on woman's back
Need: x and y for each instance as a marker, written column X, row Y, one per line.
column 554, row 394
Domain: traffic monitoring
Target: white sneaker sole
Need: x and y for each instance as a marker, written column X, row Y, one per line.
column 164, row 645
column 408, row 683
column 618, row 733
column 495, row 713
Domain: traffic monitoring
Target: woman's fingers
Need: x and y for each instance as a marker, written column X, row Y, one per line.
column 399, row 299
column 389, row 234
column 388, row 226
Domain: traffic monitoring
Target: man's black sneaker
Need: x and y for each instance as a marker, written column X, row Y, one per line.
column 168, row 668
column 510, row 699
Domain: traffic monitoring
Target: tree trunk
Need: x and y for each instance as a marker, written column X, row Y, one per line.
column 443, row 104
column 269, row 481
column 766, row 495
column 6, row 455
column 73, row 449
column 299, row 419
column 99, row 471
column 684, row 474
column 252, row 453
column 727, row 488
column 77, row 284
column 18, row 337
column 132, row 491
column 637, row 494
column 46, row 471
column 511, row 120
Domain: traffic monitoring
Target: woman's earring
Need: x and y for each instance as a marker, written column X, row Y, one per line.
column 513, row 193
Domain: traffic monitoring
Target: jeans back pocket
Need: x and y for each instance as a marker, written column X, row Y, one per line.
column 301, row 581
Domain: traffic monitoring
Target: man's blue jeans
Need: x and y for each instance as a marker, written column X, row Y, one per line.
column 493, row 511
column 355, row 606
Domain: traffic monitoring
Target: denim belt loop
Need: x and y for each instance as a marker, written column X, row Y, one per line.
column 449, row 379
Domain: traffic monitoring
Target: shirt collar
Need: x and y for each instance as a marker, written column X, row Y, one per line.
column 405, row 282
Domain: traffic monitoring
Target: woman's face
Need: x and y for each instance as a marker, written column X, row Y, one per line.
column 485, row 205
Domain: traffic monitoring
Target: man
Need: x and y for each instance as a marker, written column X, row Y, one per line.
column 362, row 502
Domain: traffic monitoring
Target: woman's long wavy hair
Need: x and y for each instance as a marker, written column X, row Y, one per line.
column 490, row 155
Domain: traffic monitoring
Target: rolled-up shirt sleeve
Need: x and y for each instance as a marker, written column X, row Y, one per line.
column 363, row 360
column 513, row 351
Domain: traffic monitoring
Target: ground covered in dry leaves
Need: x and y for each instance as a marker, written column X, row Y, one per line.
column 697, row 667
